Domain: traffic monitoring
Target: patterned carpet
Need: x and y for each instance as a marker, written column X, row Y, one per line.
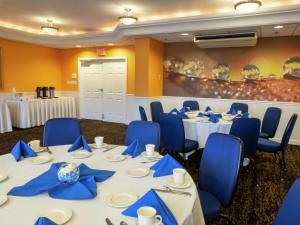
column 252, row 205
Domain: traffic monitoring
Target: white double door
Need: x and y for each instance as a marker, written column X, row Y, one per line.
column 102, row 89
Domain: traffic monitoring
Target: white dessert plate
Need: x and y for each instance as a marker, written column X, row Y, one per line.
column 154, row 156
column 121, row 200
column 41, row 149
column 94, row 146
column 172, row 184
column 3, row 177
column 58, row 215
column 80, row 154
column 40, row 159
column 137, row 172
column 3, row 199
column 115, row 158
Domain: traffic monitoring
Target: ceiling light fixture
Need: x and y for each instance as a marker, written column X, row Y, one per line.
column 247, row 6
column 110, row 44
column 49, row 27
column 185, row 34
column 127, row 19
column 278, row 27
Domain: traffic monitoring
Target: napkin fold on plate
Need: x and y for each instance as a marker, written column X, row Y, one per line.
column 80, row 142
column 207, row 109
column 165, row 166
column 22, row 149
column 152, row 199
column 134, row 149
column 44, row 221
column 84, row 188
column 213, row 118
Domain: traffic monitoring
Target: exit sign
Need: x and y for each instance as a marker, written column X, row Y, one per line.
column 101, row 52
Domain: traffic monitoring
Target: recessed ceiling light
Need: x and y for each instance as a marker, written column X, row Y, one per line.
column 49, row 27
column 127, row 19
column 247, row 6
column 278, row 27
column 78, row 46
column 185, row 34
column 110, row 44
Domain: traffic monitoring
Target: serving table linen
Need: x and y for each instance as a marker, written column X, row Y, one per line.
column 92, row 211
column 5, row 119
column 35, row 112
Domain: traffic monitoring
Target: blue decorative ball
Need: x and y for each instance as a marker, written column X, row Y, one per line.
column 68, row 173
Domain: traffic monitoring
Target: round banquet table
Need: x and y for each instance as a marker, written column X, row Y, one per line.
column 198, row 130
column 5, row 120
column 25, row 210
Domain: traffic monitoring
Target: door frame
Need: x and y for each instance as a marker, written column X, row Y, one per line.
column 126, row 80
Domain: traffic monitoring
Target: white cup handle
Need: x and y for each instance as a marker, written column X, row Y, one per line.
column 159, row 218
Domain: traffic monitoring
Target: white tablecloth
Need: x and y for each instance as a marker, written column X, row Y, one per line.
column 199, row 131
column 35, row 112
column 24, row 210
column 5, row 120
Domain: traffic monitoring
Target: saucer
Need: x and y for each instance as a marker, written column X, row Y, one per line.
column 121, row 200
column 154, row 156
column 80, row 154
column 40, row 159
column 3, row 199
column 3, row 177
column 59, row 215
column 172, row 184
column 41, row 149
column 94, row 146
column 115, row 158
column 137, row 172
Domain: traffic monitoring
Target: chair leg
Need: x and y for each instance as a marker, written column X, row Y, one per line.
column 281, row 165
column 253, row 163
column 283, row 160
column 226, row 218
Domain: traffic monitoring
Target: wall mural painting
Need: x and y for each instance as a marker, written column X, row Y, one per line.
column 187, row 78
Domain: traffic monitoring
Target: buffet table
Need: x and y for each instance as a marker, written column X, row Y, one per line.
column 5, row 119
column 25, row 210
column 35, row 112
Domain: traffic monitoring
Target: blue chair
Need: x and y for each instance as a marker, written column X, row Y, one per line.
column 239, row 107
column 192, row 105
column 146, row 132
column 173, row 136
column 270, row 122
column 143, row 113
column 61, row 131
column 269, row 146
column 289, row 212
column 218, row 174
column 156, row 110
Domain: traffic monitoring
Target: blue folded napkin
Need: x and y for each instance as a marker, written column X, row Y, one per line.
column 152, row 199
column 174, row 111
column 187, row 109
column 22, row 149
column 213, row 118
column 200, row 114
column 44, row 221
column 134, row 149
column 232, row 111
column 245, row 115
column 207, row 109
column 165, row 166
column 84, row 188
column 80, row 142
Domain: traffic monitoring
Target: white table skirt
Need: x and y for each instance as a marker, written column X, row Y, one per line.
column 199, row 131
column 5, row 119
column 24, row 210
column 35, row 112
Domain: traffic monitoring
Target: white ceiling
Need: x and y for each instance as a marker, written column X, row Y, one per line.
column 96, row 20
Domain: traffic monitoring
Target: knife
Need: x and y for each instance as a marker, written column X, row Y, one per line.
column 173, row 192
column 111, row 147
column 108, row 222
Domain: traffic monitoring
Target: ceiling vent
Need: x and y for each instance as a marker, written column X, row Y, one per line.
column 241, row 39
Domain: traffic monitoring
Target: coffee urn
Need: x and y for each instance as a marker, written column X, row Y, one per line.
column 39, row 92
column 45, row 92
column 52, row 92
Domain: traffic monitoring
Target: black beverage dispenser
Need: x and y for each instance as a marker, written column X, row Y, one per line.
column 52, row 92
column 39, row 92
column 45, row 92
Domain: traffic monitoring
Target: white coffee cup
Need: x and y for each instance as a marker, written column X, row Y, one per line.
column 179, row 176
column 150, row 149
column 35, row 145
column 147, row 216
column 99, row 141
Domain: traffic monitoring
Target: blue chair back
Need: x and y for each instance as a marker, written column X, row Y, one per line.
column 156, row 110
column 271, row 121
column 289, row 212
column 239, row 106
column 219, row 167
column 61, row 131
column 172, row 132
column 288, row 131
column 248, row 131
column 143, row 113
column 193, row 105
column 146, row 132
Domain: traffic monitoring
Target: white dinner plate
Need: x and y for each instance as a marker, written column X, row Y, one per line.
column 41, row 149
column 115, row 158
column 94, row 146
column 3, row 177
column 40, row 159
column 80, row 154
column 137, row 172
column 155, row 155
column 121, row 200
column 186, row 184
column 3, row 199
column 58, row 215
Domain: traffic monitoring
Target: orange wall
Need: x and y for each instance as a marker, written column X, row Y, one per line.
column 69, row 59
column 26, row 66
